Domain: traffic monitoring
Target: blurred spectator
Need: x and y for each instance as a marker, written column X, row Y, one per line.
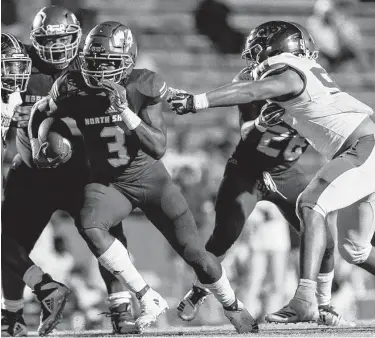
column 9, row 12
column 338, row 37
column 211, row 19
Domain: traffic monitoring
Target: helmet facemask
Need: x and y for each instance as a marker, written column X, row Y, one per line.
column 57, row 53
column 15, row 72
column 251, row 55
column 112, row 67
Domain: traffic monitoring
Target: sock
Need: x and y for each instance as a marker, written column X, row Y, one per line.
column 305, row 287
column 324, row 287
column 117, row 298
column 199, row 284
column 222, row 290
column 33, row 276
column 117, row 261
column 12, row 305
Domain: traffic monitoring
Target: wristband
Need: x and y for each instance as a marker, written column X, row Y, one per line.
column 131, row 119
column 258, row 126
column 201, row 101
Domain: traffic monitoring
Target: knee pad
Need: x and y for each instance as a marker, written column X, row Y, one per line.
column 194, row 253
column 305, row 199
column 352, row 253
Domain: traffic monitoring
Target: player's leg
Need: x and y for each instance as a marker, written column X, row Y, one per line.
column 167, row 209
column 103, row 208
column 340, row 183
column 290, row 184
column 24, row 216
column 119, row 298
column 71, row 195
column 51, row 294
column 354, row 243
column 236, row 199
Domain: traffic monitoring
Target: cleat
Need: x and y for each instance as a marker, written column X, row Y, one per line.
column 53, row 297
column 189, row 306
column 122, row 319
column 328, row 316
column 152, row 306
column 285, row 315
column 306, row 309
column 13, row 324
column 241, row 319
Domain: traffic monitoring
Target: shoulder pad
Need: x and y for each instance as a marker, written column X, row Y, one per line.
column 150, row 84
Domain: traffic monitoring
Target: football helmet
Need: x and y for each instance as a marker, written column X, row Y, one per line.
column 15, row 64
column 109, row 53
column 56, row 34
column 276, row 37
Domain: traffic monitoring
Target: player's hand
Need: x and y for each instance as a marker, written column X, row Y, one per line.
column 244, row 75
column 270, row 115
column 42, row 161
column 116, row 95
column 182, row 103
column 21, row 116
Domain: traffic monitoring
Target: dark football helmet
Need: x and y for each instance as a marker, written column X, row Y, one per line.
column 276, row 37
column 109, row 53
column 56, row 34
column 15, row 64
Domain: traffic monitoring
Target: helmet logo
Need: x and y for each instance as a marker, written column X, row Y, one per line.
column 119, row 38
column 55, row 29
column 124, row 39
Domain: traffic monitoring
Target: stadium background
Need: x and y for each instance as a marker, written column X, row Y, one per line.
column 195, row 45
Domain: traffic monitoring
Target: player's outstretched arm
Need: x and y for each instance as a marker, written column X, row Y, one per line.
column 240, row 92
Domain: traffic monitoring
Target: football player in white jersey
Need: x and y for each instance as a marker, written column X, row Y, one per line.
column 336, row 124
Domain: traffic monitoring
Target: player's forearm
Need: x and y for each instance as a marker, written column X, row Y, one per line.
column 153, row 141
column 229, row 95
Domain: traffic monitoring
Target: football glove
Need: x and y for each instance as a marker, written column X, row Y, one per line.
column 116, row 95
column 40, row 157
column 244, row 75
column 182, row 103
column 270, row 115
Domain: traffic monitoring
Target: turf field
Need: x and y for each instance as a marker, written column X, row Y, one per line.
column 363, row 329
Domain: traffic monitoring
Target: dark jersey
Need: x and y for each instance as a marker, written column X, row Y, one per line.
column 275, row 150
column 114, row 151
column 41, row 80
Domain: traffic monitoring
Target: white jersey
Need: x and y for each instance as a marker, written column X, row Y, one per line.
column 7, row 112
column 322, row 113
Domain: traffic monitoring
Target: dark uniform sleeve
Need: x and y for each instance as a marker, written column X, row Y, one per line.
column 153, row 86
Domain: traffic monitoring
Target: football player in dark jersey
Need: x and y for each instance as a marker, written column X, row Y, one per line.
column 32, row 194
column 125, row 135
column 263, row 167
column 16, row 70
column 337, row 125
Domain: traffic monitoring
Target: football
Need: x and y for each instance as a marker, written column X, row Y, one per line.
column 58, row 138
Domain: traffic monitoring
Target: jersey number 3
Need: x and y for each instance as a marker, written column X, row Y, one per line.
column 118, row 146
